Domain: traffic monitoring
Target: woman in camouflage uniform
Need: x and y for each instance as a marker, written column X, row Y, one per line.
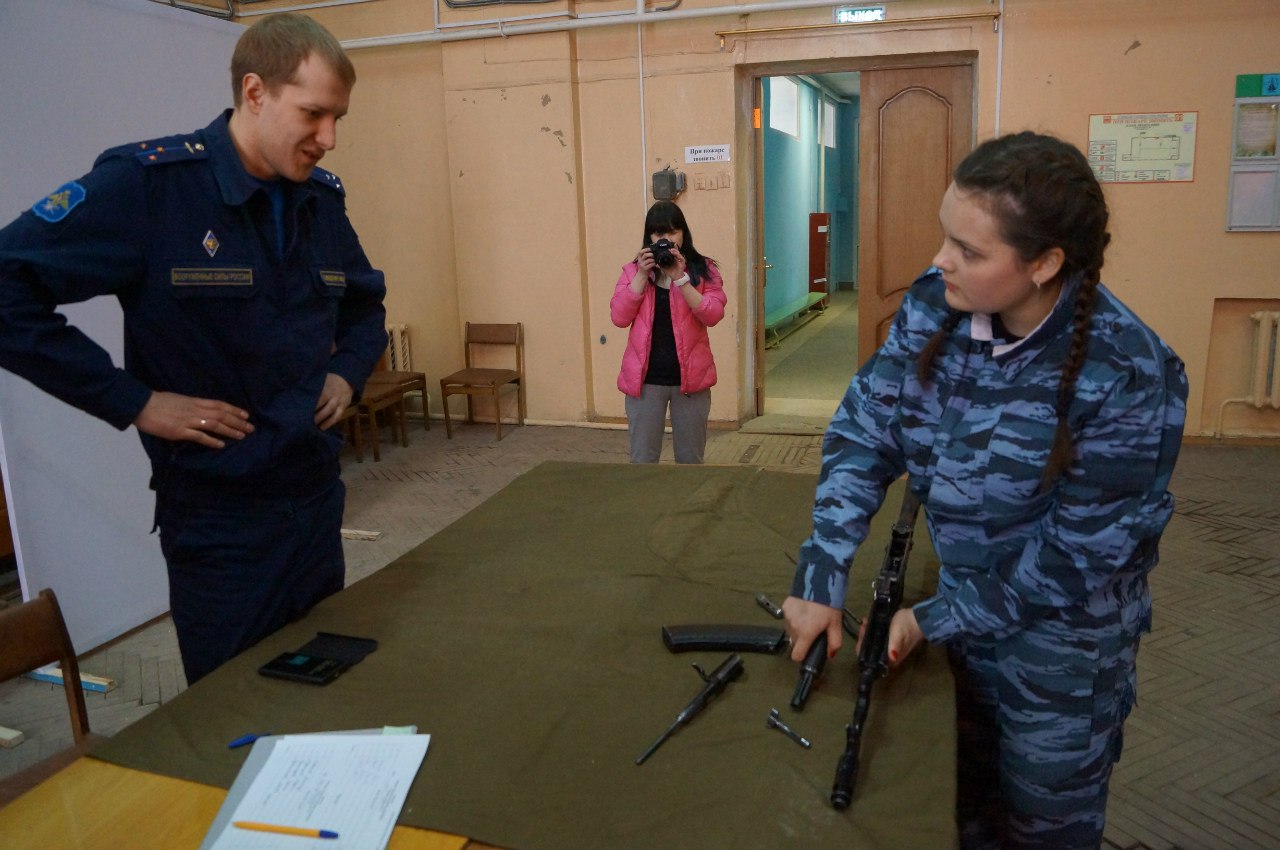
column 1037, row 420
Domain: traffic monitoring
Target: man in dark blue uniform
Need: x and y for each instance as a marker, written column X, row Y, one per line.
column 252, row 318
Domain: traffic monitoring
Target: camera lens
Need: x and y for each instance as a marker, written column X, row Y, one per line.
column 663, row 253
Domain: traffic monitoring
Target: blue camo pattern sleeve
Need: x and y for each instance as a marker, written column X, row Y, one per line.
column 861, row 457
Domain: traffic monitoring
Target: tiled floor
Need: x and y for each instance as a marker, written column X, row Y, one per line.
column 1202, row 748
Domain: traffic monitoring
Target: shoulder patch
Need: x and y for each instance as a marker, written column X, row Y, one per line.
column 60, row 202
column 328, row 178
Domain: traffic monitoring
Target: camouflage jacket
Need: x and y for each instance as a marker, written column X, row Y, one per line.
column 973, row 442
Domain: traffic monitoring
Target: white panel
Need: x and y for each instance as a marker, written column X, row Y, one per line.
column 76, row 77
column 1254, row 196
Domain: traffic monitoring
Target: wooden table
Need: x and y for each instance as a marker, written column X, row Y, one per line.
column 93, row 805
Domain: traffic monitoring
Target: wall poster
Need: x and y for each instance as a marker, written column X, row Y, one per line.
column 1143, row 147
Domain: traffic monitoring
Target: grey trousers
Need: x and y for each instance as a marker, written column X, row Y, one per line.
column 646, row 421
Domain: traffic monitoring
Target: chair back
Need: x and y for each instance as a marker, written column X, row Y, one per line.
column 34, row 634
column 499, row 334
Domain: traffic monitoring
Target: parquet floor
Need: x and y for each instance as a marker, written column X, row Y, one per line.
column 1201, row 769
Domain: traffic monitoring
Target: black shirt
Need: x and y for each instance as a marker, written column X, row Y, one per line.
column 664, row 367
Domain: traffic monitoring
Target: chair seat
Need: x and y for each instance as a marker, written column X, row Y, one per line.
column 482, row 377
column 409, row 380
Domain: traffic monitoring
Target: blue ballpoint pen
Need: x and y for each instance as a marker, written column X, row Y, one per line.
column 246, row 739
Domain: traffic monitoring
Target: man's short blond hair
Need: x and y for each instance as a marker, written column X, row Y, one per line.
column 275, row 46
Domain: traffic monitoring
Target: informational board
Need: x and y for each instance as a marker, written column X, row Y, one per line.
column 76, row 77
column 1143, row 147
column 1253, row 191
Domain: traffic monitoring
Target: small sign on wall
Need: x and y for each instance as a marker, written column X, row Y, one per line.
column 707, row 153
column 1143, row 147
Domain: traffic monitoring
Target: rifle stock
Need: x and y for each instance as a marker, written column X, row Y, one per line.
column 872, row 657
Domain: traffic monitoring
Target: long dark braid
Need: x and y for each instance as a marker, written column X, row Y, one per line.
column 1042, row 194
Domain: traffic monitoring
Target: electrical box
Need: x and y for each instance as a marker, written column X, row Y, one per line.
column 667, row 184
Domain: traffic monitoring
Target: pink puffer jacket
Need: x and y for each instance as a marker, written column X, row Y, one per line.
column 693, row 348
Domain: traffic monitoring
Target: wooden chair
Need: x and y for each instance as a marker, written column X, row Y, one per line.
column 377, row 398
column 385, row 390
column 352, row 417
column 32, row 635
column 473, row 381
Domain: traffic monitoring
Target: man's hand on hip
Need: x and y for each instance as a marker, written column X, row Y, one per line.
column 199, row 420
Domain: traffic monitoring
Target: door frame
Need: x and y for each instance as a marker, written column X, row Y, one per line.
column 750, row 88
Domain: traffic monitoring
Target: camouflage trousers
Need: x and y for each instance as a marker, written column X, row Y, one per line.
column 1039, row 722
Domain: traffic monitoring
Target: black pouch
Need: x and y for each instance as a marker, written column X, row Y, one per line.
column 324, row 658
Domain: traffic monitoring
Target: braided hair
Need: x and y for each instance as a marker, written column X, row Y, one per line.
column 1042, row 194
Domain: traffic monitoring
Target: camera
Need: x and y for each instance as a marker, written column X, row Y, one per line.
column 664, row 252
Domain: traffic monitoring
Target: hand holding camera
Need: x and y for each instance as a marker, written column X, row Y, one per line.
column 668, row 258
column 664, row 253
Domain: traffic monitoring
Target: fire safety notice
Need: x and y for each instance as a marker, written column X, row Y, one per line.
column 1143, row 147
column 707, row 153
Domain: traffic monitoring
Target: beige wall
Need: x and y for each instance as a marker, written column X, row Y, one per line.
column 505, row 178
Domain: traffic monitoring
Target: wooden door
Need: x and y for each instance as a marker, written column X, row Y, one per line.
column 917, row 124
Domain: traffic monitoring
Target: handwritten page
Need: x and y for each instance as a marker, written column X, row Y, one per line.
column 354, row 785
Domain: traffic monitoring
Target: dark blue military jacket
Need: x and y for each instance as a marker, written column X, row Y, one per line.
column 974, row 441
column 185, row 238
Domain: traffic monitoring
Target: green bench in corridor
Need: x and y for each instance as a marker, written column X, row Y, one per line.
column 787, row 318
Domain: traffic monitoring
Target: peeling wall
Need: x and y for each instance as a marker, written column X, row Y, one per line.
column 506, row 178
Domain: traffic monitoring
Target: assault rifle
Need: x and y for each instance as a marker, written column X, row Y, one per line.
column 872, row 657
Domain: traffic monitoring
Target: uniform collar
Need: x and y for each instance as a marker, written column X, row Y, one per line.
column 1014, row 355
column 234, row 182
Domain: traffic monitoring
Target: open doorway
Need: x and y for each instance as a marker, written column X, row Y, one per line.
column 809, row 175
column 864, row 152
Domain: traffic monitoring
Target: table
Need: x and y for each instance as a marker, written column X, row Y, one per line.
column 525, row 638
column 95, row 805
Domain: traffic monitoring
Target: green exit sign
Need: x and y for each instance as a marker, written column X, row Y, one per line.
column 859, row 14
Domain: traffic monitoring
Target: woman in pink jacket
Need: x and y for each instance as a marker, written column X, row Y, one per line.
column 668, row 295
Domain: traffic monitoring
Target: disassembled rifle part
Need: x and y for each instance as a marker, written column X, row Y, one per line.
column 774, row 722
column 810, row 670
column 729, row 669
column 767, row 604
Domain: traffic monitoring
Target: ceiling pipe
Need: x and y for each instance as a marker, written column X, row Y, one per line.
column 503, row 31
column 301, row 7
column 197, row 7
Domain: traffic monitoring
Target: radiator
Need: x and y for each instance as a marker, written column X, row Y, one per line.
column 1266, row 360
column 1264, row 367
column 399, row 359
column 398, row 348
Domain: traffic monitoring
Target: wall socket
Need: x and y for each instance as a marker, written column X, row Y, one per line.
column 720, row 180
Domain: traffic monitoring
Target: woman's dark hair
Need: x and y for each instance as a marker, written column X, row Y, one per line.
column 1042, row 194
column 664, row 217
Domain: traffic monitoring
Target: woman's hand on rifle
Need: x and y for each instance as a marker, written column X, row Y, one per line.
column 806, row 620
column 904, row 635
